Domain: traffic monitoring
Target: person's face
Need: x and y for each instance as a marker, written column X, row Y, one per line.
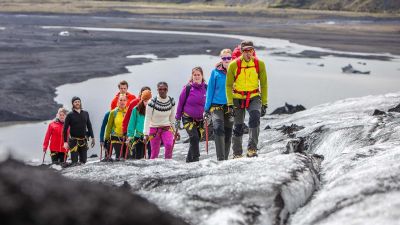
column 123, row 89
column 197, row 77
column 247, row 54
column 61, row 117
column 162, row 90
column 122, row 102
column 226, row 59
column 76, row 104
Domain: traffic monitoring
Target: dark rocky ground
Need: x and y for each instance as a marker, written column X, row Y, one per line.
column 34, row 195
column 34, row 61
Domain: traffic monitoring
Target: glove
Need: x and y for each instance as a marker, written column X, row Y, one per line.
column 231, row 111
column 264, row 110
column 207, row 116
column 92, row 143
column 177, row 124
column 177, row 136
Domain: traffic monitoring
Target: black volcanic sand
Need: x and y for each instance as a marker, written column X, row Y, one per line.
column 34, row 61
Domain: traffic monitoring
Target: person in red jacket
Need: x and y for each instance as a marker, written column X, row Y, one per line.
column 123, row 89
column 132, row 105
column 55, row 139
column 237, row 52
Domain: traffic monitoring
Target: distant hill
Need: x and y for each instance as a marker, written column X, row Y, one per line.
column 338, row 5
column 346, row 5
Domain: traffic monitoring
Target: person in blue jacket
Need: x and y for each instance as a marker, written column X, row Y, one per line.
column 216, row 107
column 106, row 144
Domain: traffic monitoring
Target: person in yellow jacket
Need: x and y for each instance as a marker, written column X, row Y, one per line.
column 114, row 127
column 246, row 89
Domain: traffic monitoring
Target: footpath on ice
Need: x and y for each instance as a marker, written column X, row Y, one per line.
column 349, row 172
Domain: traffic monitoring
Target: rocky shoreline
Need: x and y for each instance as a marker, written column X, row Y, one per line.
column 34, row 61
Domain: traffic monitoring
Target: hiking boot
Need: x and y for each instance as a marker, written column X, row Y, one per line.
column 237, row 156
column 251, row 153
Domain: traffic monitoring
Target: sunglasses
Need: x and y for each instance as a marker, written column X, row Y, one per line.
column 226, row 58
column 249, row 50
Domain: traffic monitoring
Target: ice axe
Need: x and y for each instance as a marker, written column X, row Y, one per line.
column 44, row 155
column 101, row 151
column 206, row 124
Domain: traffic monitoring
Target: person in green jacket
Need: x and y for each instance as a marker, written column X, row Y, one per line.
column 246, row 89
column 136, row 125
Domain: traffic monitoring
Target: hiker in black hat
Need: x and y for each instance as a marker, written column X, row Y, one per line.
column 77, row 122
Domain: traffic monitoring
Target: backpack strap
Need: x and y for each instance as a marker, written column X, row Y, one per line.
column 256, row 65
column 239, row 66
column 154, row 100
column 187, row 93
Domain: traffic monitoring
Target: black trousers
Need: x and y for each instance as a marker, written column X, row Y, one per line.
column 194, row 138
column 139, row 149
column 57, row 157
column 117, row 147
column 81, row 152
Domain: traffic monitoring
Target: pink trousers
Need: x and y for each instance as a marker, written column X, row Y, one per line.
column 167, row 137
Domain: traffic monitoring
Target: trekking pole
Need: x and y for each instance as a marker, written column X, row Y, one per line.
column 175, row 136
column 145, row 149
column 206, row 124
column 145, row 145
column 110, row 150
column 101, row 151
column 129, row 148
column 66, row 156
column 122, row 148
column 44, row 155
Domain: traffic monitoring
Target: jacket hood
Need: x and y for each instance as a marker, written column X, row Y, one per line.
column 220, row 67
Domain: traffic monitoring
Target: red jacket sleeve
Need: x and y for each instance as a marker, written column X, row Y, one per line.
column 131, row 98
column 114, row 102
column 47, row 136
column 127, row 117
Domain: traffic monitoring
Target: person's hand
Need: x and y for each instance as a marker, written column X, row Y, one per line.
column 102, row 143
column 231, row 111
column 264, row 110
column 177, row 136
column 66, row 146
column 128, row 140
column 92, row 143
column 44, row 150
column 145, row 138
column 177, row 124
column 207, row 117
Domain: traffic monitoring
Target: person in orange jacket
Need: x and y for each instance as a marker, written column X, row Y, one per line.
column 123, row 90
column 54, row 137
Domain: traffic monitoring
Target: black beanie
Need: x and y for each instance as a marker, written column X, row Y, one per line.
column 74, row 99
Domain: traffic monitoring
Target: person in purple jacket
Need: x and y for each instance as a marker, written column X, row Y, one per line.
column 190, row 110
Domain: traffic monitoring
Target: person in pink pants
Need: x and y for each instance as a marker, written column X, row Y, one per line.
column 158, row 121
column 167, row 136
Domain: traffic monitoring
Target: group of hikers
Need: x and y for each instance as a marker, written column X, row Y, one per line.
column 135, row 127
